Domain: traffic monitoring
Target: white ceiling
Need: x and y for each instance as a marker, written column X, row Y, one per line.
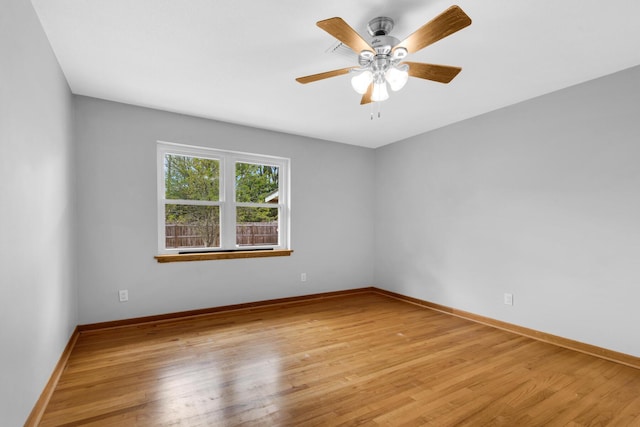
column 237, row 60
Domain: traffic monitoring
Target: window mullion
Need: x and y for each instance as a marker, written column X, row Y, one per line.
column 228, row 206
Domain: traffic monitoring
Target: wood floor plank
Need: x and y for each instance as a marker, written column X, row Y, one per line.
column 364, row 359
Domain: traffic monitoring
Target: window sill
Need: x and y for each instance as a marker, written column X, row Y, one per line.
column 222, row 255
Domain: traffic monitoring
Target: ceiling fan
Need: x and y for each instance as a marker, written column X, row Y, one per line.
column 381, row 61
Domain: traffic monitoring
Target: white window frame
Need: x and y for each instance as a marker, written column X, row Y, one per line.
column 227, row 202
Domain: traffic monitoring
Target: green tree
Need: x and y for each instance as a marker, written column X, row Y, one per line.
column 192, row 178
column 254, row 183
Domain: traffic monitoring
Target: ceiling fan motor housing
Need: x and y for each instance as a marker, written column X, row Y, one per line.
column 382, row 43
column 379, row 29
column 383, row 46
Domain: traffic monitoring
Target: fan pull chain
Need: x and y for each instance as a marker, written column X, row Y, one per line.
column 371, row 114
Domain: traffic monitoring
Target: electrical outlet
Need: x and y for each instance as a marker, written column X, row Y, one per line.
column 508, row 299
column 123, row 294
column 303, row 277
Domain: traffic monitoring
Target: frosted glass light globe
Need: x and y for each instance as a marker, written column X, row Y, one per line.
column 361, row 82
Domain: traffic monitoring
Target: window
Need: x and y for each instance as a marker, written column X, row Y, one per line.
column 213, row 200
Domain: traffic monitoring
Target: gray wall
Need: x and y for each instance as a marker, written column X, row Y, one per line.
column 331, row 226
column 540, row 199
column 38, row 308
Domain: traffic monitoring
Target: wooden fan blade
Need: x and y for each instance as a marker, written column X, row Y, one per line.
column 443, row 25
column 366, row 98
column 325, row 75
column 437, row 73
column 343, row 32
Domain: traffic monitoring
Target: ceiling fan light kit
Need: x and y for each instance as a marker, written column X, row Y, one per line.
column 381, row 59
column 361, row 80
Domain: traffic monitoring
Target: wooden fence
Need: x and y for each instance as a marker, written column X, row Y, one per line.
column 247, row 234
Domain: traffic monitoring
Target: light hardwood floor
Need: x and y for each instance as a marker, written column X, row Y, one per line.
column 362, row 359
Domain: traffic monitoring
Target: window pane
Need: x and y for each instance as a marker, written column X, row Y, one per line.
column 256, row 226
column 256, row 183
column 188, row 226
column 191, row 178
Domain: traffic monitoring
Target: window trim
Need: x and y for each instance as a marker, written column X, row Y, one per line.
column 227, row 202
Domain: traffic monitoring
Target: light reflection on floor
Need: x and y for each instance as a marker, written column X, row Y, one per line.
column 202, row 389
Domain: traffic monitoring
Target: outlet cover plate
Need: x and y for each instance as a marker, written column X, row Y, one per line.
column 508, row 299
